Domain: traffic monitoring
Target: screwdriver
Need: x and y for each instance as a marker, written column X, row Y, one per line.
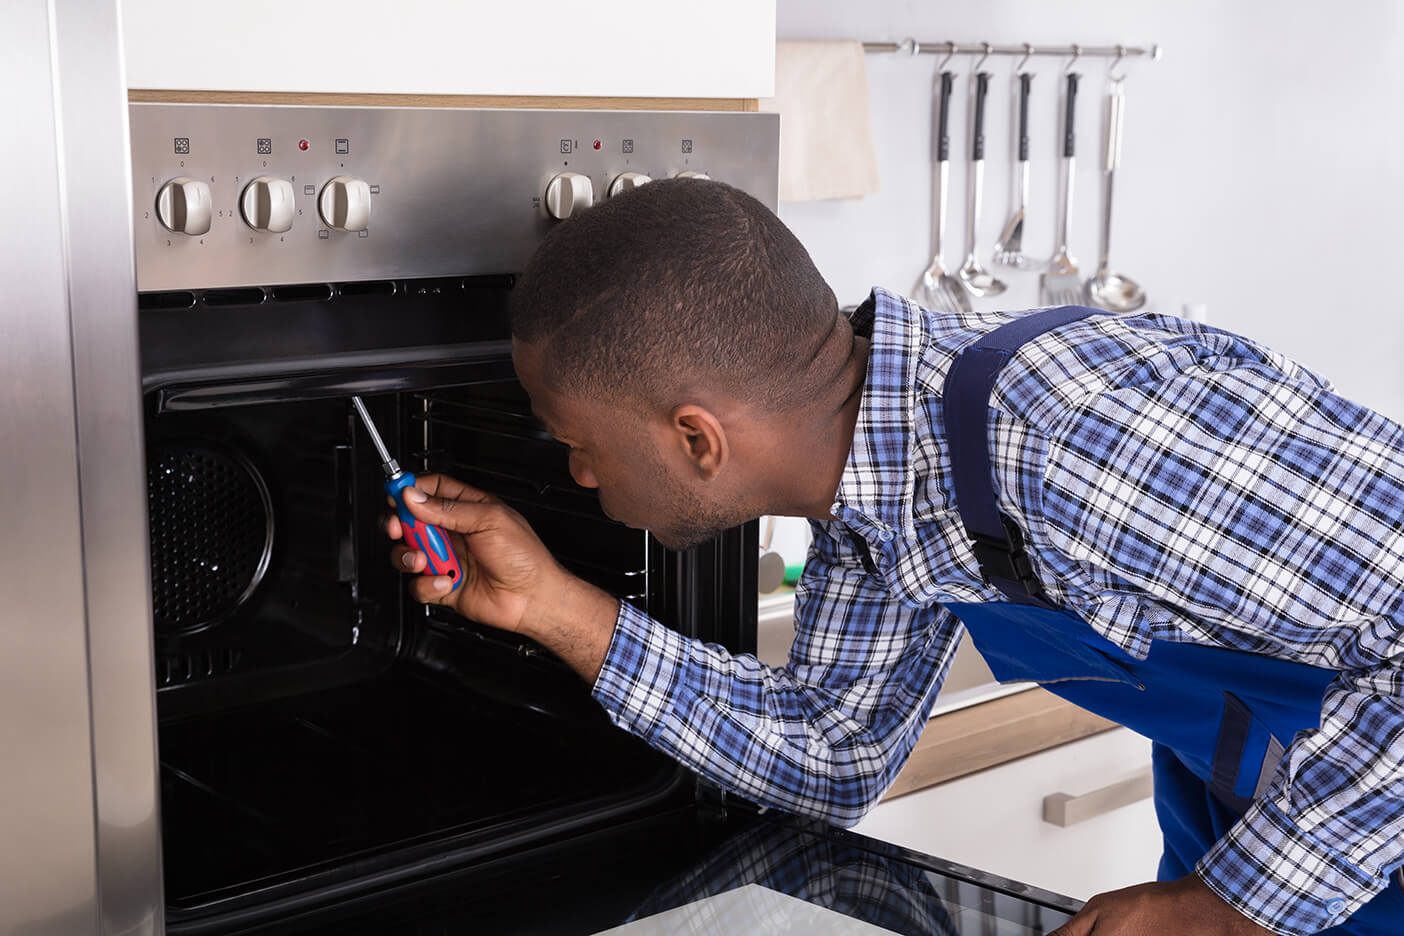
column 424, row 537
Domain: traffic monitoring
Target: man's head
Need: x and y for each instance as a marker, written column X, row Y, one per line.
column 660, row 334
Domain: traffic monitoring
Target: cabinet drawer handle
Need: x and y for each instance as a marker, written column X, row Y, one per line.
column 1063, row 809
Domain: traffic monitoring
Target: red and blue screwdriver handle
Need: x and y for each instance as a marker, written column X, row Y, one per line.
column 424, row 537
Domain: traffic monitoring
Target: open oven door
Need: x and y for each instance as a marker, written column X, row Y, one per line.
column 704, row 870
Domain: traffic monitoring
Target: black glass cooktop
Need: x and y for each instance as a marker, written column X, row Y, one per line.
column 692, row 873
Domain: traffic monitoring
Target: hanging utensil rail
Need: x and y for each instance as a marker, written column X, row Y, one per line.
column 911, row 46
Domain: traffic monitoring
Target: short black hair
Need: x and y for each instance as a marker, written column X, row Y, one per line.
column 679, row 281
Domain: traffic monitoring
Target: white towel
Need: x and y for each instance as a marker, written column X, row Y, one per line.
column 826, row 130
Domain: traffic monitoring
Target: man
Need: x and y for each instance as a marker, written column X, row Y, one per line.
column 1190, row 533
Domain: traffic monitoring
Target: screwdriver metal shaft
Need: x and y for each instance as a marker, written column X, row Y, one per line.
column 392, row 467
column 424, row 537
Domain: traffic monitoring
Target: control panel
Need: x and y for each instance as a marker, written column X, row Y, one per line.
column 238, row 195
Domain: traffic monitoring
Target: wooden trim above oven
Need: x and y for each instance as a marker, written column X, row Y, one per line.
column 991, row 733
column 139, row 95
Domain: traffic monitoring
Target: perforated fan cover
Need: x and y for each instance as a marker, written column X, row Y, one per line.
column 211, row 534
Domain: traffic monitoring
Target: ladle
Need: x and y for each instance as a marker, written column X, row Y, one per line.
column 1114, row 292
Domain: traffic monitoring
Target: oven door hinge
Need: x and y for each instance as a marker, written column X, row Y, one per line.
column 711, row 799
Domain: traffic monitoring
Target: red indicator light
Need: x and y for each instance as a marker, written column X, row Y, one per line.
column 302, row 145
column 597, row 144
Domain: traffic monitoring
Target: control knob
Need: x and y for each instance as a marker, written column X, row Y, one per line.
column 267, row 204
column 185, row 207
column 692, row 174
column 345, row 204
column 627, row 182
column 569, row 194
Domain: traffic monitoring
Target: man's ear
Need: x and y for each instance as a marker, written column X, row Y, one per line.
column 701, row 439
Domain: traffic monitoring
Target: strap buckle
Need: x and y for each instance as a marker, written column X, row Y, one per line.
column 1006, row 558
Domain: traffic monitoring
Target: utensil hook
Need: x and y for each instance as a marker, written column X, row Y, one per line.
column 954, row 48
column 1077, row 54
column 1023, row 62
column 1112, row 73
column 983, row 58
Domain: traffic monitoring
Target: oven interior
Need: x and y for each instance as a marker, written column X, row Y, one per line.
column 317, row 727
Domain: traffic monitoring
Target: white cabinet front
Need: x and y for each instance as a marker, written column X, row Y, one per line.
column 723, row 49
column 994, row 820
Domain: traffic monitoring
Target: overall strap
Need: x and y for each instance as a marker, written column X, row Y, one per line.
column 996, row 539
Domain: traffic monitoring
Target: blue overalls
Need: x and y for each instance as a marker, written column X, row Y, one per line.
column 1219, row 719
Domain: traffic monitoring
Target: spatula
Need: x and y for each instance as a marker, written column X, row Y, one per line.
column 1009, row 250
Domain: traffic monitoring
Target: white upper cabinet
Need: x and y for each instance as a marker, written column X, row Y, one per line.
column 719, row 49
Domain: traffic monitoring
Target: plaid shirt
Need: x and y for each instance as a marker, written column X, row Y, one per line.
column 1174, row 482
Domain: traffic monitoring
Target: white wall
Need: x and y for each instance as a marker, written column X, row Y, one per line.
column 1262, row 173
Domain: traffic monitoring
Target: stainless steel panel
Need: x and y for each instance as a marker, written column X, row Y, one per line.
column 95, row 177
column 77, row 715
column 453, row 191
column 48, row 881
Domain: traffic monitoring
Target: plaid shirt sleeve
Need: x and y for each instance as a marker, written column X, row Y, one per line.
column 823, row 736
column 1269, row 513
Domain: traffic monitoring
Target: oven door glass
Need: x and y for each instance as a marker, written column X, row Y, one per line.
column 696, row 871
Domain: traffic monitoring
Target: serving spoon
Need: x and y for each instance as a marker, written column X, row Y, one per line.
column 976, row 278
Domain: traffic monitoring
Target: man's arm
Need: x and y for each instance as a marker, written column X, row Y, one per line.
column 1270, row 512
column 823, row 736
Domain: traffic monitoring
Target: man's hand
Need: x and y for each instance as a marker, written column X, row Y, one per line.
column 1186, row 907
column 510, row 579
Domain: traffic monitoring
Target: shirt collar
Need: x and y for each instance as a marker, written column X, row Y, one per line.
column 877, row 483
